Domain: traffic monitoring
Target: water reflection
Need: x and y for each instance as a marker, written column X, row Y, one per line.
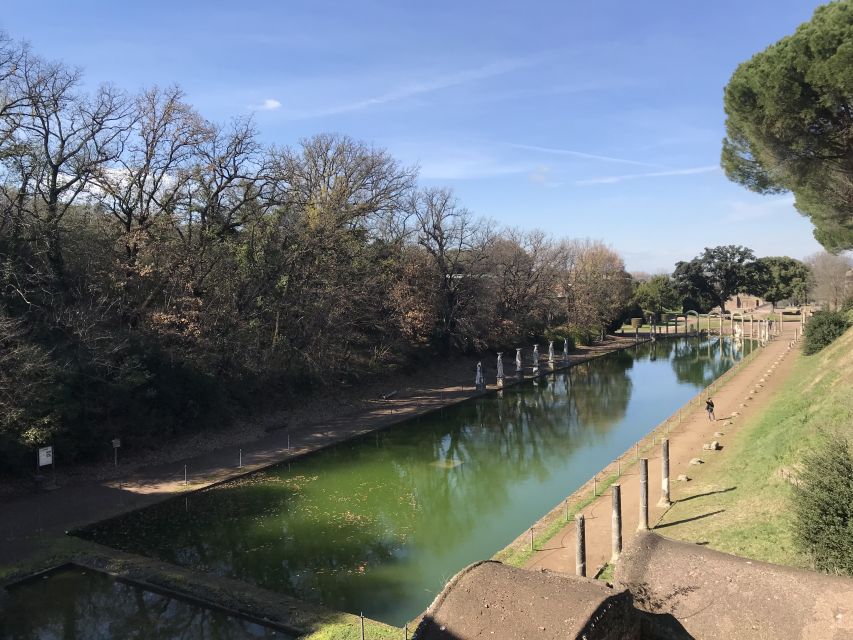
column 379, row 524
column 78, row 604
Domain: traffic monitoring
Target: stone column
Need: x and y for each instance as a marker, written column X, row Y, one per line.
column 519, row 371
column 644, row 495
column 664, row 468
column 580, row 546
column 500, row 370
column 535, row 359
column 479, row 380
column 551, row 354
column 565, row 349
column 616, row 522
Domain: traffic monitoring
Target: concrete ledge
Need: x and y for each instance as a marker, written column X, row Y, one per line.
column 717, row 595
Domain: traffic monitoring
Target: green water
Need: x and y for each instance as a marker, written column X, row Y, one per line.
column 74, row 604
column 379, row 524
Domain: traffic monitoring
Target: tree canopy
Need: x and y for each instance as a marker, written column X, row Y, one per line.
column 657, row 294
column 714, row 276
column 782, row 278
column 789, row 122
column 160, row 272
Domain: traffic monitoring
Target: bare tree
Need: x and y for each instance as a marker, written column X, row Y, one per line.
column 67, row 135
column 832, row 278
column 146, row 180
column 598, row 286
column 458, row 245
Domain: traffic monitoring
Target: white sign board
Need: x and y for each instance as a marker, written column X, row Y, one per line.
column 116, row 443
column 45, row 456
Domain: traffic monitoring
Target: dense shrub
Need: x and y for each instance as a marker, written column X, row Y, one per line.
column 823, row 328
column 558, row 335
column 823, row 507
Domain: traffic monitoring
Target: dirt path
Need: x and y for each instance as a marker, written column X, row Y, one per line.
column 23, row 520
column 746, row 393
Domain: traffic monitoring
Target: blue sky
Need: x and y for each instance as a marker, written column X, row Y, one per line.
column 586, row 119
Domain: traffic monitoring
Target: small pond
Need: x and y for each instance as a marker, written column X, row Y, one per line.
column 379, row 524
column 77, row 604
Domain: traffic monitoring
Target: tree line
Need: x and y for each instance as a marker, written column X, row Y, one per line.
column 158, row 270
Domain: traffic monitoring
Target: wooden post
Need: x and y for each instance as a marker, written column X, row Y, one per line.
column 664, row 467
column 644, row 495
column 616, row 522
column 580, row 547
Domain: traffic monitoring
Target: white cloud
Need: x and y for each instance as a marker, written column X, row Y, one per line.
column 544, row 177
column 458, row 78
column 582, row 154
column 469, row 165
column 270, row 104
column 653, row 174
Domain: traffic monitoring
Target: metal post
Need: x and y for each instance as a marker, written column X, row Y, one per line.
column 580, row 547
column 115, row 451
column 362, row 625
column 644, row 495
column 288, row 442
column 185, row 474
column 531, row 539
column 594, row 486
column 241, row 458
column 616, row 521
column 664, row 467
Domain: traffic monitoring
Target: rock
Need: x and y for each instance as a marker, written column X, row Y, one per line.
column 715, row 446
column 697, row 461
column 719, row 434
column 742, row 404
column 735, row 413
column 706, row 446
column 682, row 478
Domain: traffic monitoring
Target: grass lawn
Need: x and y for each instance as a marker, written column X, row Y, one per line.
column 741, row 502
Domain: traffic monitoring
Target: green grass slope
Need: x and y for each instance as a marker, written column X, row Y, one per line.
column 741, row 502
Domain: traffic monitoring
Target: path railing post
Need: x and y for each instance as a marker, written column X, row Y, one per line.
column 580, row 546
column 664, row 468
column 644, row 495
column 616, row 521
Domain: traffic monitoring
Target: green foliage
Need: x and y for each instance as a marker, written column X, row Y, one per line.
column 781, row 278
column 714, row 276
column 823, row 328
column 788, row 122
column 558, row 335
column 823, row 506
column 656, row 294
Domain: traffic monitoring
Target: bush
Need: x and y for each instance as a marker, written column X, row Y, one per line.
column 558, row 335
column 823, row 507
column 823, row 328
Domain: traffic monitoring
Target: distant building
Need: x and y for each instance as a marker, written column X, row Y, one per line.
column 744, row 303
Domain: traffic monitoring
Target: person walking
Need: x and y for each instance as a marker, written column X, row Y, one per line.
column 709, row 407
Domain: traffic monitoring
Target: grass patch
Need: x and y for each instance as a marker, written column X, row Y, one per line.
column 606, row 573
column 348, row 627
column 741, row 503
